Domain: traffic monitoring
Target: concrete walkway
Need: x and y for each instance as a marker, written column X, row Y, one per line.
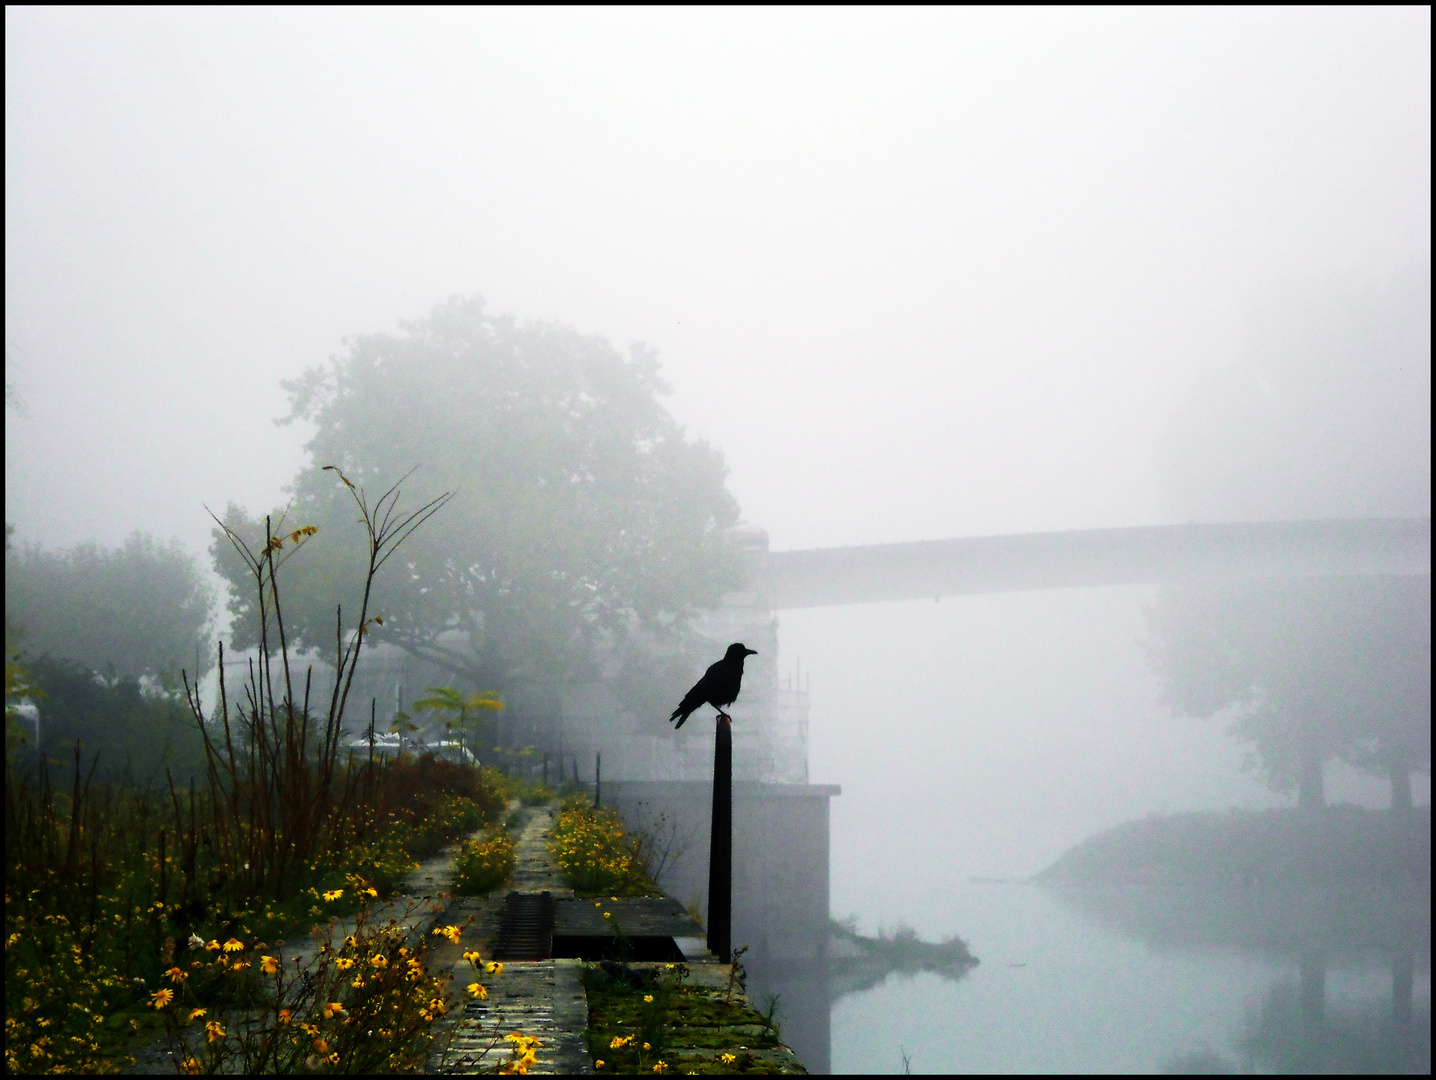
column 542, row 998
column 534, row 867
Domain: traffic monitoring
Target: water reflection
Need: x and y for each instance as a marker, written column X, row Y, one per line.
column 806, row 991
column 1296, row 1031
column 1296, row 1028
column 1132, row 980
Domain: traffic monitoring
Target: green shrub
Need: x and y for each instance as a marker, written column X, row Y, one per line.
column 595, row 854
column 483, row 865
column 136, row 735
column 384, row 862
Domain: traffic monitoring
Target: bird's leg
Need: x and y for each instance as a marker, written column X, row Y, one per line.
column 724, row 718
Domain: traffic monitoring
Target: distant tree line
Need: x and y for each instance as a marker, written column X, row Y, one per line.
column 103, row 635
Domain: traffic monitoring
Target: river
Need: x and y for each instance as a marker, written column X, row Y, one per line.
column 1066, row 986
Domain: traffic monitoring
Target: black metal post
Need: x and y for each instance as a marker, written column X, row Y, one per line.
column 720, row 850
column 598, row 779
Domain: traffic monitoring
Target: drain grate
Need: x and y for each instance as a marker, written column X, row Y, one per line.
column 525, row 927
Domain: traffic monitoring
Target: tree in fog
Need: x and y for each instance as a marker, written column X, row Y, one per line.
column 1327, row 416
column 583, row 519
column 141, row 609
column 124, row 727
column 1316, row 668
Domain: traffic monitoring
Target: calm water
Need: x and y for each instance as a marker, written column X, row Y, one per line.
column 1063, row 991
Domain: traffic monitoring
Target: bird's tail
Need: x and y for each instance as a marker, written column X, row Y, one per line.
column 680, row 716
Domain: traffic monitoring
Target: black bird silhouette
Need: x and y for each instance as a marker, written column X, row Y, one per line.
column 718, row 687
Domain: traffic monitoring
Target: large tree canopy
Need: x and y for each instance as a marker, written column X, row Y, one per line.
column 144, row 608
column 581, row 515
column 1328, row 415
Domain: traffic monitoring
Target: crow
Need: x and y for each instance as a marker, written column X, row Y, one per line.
column 718, row 687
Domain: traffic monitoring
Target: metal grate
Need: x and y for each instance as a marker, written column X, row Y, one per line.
column 525, row 927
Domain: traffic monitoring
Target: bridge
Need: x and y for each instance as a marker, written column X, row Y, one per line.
column 821, row 577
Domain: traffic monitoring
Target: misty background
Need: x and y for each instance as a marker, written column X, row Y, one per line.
column 917, row 275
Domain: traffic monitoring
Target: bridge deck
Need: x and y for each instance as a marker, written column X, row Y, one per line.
column 820, row 577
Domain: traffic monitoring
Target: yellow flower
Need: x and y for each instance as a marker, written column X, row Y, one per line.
column 727, row 1059
column 268, row 964
column 333, row 894
column 379, row 960
column 648, row 999
column 162, row 998
column 213, row 946
column 660, row 1066
column 472, row 956
column 494, row 968
column 620, row 1041
column 191, row 1066
column 214, row 1031
column 358, row 982
column 177, row 975
column 608, row 914
column 195, row 1014
column 332, row 1009
column 371, row 891
column 234, row 945
column 598, row 1064
column 284, row 1015
column 320, row 1046
column 450, row 932
column 344, row 963
column 477, row 990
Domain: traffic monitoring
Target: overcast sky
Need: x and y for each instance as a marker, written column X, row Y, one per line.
column 918, row 274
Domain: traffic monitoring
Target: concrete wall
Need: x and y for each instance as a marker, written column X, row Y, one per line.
column 780, row 856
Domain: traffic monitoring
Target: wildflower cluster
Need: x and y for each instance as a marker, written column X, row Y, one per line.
column 522, row 1055
column 134, row 869
column 385, row 859
column 57, row 998
column 367, row 1003
column 595, row 854
column 481, row 866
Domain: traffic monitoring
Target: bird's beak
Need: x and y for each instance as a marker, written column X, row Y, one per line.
column 750, row 652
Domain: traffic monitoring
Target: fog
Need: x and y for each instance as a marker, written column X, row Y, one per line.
column 917, row 275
